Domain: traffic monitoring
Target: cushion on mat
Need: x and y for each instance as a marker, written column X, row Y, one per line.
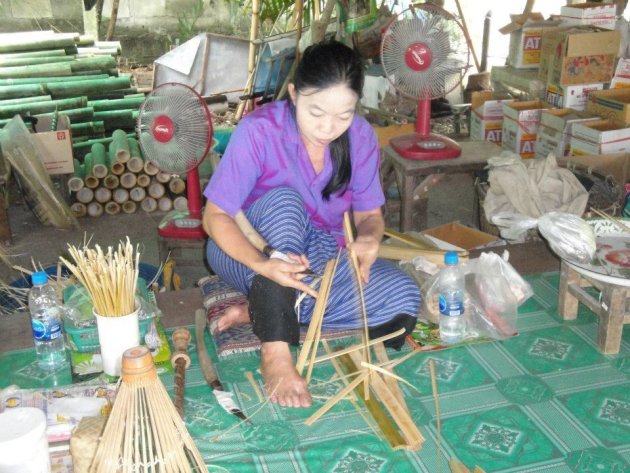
column 217, row 297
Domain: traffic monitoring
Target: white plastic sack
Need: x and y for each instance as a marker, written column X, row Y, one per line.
column 532, row 188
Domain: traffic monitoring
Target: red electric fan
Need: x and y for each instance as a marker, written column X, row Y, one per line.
column 175, row 132
column 425, row 56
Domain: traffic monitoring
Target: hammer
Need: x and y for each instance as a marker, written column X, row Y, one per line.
column 180, row 361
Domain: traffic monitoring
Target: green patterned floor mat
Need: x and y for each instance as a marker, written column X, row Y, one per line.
column 543, row 401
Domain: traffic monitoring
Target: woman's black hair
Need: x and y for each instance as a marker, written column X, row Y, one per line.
column 327, row 64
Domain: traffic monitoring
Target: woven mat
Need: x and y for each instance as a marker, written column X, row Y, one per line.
column 217, row 297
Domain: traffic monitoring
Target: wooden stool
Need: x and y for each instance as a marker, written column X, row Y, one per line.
column 185, row 252
column 611, row 308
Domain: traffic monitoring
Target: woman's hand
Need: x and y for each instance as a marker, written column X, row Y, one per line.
column 287, row 274
column 366, row 250
column 370, row 227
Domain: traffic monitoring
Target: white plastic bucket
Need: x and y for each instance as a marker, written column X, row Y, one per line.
column 115, row 335
column 23, row 443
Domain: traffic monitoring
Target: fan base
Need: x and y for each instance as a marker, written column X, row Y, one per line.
column 425, row 147
column 181, row 225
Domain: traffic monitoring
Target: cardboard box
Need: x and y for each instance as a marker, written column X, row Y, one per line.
column 571, row 96
column 613, row 104
column 460, row 236
column 621, row 78
column 578, row 55
column 556, row 127
column 520, row 126
column 486, row 121
column 58, row 144
column 602, row 15
column 599, row 137
column 525, row 39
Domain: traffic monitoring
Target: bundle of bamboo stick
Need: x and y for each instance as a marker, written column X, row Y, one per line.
column 117, row 178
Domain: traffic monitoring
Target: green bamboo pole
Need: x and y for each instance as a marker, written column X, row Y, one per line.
column 55, row 69
column 88, row 164
column 134, row 148
column 36, row 43
column 75, row 115
column 99, row 153
column 38, row 98
column 31, row 61
column 113, row 119
column 85, row 40
column 73, row 88
column 117, row 104
column 37, row 108
column 87, row 129
column 119, row 147
column 44, row 53
column 47, row 79
column 103, row 63
column 21, row 90
column 79, row 169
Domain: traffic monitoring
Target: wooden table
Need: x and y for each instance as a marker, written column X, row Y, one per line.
column 610, row 307
column 415, row 177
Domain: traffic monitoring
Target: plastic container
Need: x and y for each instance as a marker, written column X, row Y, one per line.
column 46, row 312
column 451, row 300
column 23, row 443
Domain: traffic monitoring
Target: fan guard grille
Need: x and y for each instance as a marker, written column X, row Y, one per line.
column 174, row 128
column 442, row 35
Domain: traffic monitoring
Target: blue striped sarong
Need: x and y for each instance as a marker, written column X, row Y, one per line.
column 281, row 219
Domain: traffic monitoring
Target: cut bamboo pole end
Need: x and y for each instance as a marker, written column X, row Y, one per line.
column 165, row 204
column 156, row 190
column 135, row 164
column 102, row 195
column 112, row 208
column 75, row 184
column 91, row 182
column 148, row 204
column 94, row 209
column 111, row 181
column 78, row 209
column 150, row 168
column 143, row 180
column 129, row 207
column 120, row 195
column 177, row 185
column 180, row 203
column 85, row 195
column 128, row 180
column 137, row 194
column 163, row 177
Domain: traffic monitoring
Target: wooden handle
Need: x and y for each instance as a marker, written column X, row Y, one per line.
column 181, row 340
column 207, row 368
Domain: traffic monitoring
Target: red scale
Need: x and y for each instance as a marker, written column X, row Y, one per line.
column 424, row 55
column 175, row 132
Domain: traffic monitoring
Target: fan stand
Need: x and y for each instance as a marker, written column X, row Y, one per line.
column 423, row 144
column 186, row 224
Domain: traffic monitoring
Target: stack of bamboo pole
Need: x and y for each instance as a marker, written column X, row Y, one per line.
column 45, row 73
column 116, row 179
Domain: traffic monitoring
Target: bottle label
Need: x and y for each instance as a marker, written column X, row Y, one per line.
column 43, row 332
column 450, row 307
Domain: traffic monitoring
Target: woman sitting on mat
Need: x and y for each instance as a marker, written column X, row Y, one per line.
column 294, row 167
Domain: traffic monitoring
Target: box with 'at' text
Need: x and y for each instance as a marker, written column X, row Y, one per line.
column 486, row 121
column 521, row 121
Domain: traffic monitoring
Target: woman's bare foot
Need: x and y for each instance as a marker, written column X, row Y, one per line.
column 233, row 316
column 283, row 383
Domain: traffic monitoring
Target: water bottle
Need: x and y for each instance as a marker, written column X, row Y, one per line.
column 46, row 314
column 451, row 300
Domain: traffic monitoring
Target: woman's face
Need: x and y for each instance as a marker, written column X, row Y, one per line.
column 323, row 114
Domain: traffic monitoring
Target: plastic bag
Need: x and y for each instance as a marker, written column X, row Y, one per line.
column 568, row 235
column 494, row 291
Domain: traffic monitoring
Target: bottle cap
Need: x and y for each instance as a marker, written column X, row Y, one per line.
column 451, row 258
column 39, row 278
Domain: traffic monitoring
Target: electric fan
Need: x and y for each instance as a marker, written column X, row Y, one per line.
column 175, row 132
column 424, row 55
